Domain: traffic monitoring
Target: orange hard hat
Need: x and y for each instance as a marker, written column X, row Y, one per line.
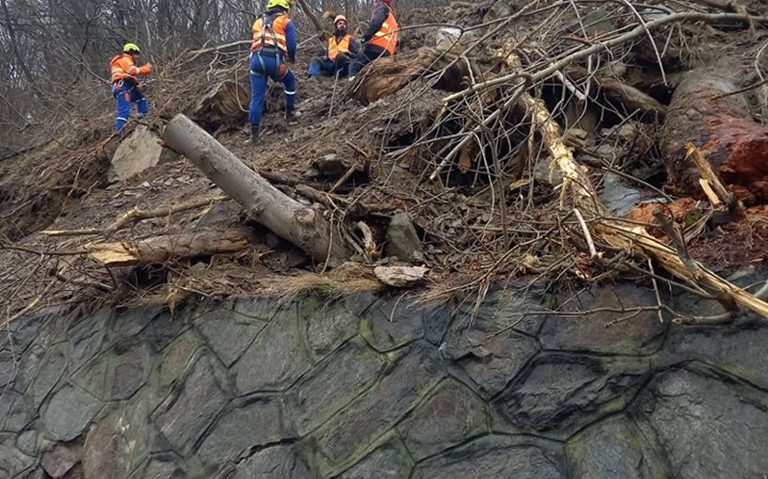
column 339, row 18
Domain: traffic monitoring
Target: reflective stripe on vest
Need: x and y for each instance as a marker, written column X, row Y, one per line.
column 335, row 48
column 389, row 33
column 274, row 36
column 122, row 67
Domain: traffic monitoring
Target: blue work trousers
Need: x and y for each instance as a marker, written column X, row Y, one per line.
column 265, row 65
column 328, row 67
column 127, row 93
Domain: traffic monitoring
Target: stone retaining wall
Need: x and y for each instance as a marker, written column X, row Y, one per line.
column 374, row 388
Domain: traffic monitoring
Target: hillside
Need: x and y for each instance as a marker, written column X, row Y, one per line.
column 544, row 142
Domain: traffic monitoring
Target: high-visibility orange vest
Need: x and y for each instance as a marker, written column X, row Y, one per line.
column 266, row 35
column 334, row 47
column 389, row 33
column 123, row 66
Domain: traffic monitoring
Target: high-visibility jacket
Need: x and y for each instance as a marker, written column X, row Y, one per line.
column 335, row 47
column 269, row 31
column 388, row 35
column 123, row 66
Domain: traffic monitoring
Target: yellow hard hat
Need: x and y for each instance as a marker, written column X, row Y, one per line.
column 278, row 3
column 131, row 48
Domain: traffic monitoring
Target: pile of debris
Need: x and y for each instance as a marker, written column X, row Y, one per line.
column 569, row 142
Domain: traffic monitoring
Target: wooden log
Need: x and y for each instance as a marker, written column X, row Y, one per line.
column 578, row 186
column 708, row 111
column 160, row 249
column 287, row 218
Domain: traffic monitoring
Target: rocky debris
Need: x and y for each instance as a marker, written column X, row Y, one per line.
column 403, row 241
column 138, row 152
column 400, row 276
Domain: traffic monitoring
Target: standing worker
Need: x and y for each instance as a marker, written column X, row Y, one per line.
column 125, row 86
column 274, row 43
column 341, row 47
column 380, row 38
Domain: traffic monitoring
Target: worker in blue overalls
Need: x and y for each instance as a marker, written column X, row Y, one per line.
column 274, row 46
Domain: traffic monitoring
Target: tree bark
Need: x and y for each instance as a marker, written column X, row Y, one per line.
column 709, row 111
column 287, row 218
column 162, row 248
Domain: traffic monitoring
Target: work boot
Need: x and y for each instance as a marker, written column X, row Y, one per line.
column 254, row 139
column 291, row 116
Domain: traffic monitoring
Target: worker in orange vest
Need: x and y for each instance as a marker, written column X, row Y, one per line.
column 341, row 48
column 380, row 38
column 274, row 46
column 125, row 84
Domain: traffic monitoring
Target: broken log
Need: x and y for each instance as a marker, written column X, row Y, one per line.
column 633, row 238
column 284, row 216
column 708, row 110
column 388, row 75
column 160, row 249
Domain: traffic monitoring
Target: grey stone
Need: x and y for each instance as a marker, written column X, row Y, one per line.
column 19, row 334
column 118, row 443
column 26, row 442
column 177, row 358
column 616, row 196
column 12, row 460
column 490, row 360
column 135, row 154
column 8, row 368
column 86, row 337
column 708, row 427
column 332, row 385
column 403, row 241
column 162, row 330
column 589, row 332
column 61, row 459
column 68, row 413
column 14, row 413
column 437, row 321
column 612, row 449
column 271, row 463
column 450, row 416
column 514, row 309
column 275, row 360
column 162, row 469
column 129, row 368
column 378, row 410
column 129, row 323
column 740, row 350
column 493, row 458
column 263, row 309
column 388, row 325
column 92, row 376
column 191, row 412
column 561, row 393
column 255, row 423
column 51, row 370
column 328, row 325
column 389, row 461
column 227, row 336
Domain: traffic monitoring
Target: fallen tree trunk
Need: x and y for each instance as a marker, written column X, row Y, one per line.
column 708, row 110
column 162, row 248
column 287, row 218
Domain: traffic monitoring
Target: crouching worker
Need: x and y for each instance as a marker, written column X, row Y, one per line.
column 125, row 84
column 273, row 47
column 341, row 48
column 380, row 38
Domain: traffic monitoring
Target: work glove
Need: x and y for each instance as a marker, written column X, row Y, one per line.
column 146, row 69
